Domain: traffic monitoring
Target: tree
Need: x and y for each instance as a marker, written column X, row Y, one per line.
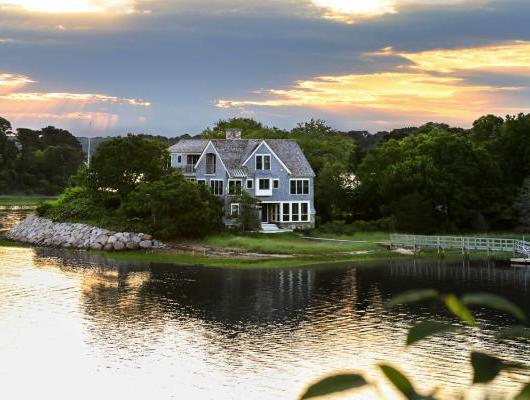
column 121, row 164
column 5, row 125
column 174, row 207
column 522, row 204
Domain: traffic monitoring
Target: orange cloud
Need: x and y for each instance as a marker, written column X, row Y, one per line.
column 430, row 87
column 513, row 57
column 100, row 111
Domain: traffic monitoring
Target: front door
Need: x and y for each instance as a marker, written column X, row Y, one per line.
column 264, row 213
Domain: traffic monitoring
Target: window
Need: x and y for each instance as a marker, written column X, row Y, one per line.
column 264, row 184
column 191, row 159
column 299, row 186
column 201, row 181
column 217, row 187
column 275, row 183
column 263, row 162
column 285, row 212
column 179, row 159
column 210, row 163
column 234, row 186
column 234, row 210
column 304, row 213
column 250, row 184
column 295, row 212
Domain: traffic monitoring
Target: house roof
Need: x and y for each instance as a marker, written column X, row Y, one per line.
column 233, row 153
column 196, row 146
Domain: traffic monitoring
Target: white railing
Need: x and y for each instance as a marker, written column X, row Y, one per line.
column 462, row 242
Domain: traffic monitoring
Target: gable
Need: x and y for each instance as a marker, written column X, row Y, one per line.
column 264, row 148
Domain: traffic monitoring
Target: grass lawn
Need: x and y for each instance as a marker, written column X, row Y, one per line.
column 22, row 200
column 284, row 243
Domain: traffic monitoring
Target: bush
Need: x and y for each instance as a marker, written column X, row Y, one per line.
column 73, row 205
column 341, row 228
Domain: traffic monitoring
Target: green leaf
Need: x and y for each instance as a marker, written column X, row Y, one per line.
column 334, row 384
column 400, row 381
column 457, row 308
column 428, row 328
column 494, row 301
column 514, row 332
column 485, row 367
column 412, row 296
column 524, row 394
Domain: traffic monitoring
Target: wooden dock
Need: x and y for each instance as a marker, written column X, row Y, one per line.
column 465, row 244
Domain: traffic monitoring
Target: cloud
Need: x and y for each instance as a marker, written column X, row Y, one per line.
column 70, row 6
column 428, row 86
column 99, row 111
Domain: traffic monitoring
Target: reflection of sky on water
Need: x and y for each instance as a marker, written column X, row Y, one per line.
column 77, row 326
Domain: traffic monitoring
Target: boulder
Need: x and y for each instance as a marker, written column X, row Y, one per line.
column 145, row 244
column 118, row 246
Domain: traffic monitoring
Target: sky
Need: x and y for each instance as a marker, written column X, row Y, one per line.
column 108, row 67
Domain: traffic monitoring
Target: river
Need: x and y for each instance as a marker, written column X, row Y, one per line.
column 77, row 326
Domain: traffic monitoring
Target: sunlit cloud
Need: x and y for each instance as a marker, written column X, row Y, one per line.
column 98, row 111
column 428, row 87
column 71, row 6
column 513, row 57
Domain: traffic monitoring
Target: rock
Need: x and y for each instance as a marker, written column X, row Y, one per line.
column 145, row 244
column 112, row 239
column 118, row 246
column 102, row 239
column 132, row 245
column 108, row 247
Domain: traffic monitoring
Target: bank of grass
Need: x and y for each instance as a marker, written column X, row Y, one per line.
column 286, row 243
column 21, row 200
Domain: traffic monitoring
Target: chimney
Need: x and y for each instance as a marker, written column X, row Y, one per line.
column 232, row 134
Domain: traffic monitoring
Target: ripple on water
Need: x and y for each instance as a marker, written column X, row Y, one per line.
column 154, row 331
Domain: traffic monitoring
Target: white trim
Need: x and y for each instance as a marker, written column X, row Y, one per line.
column 263, row 192
column 272, row 152
column 218, row 156
column 300, row 179
column 232, row 208
column 290, row 203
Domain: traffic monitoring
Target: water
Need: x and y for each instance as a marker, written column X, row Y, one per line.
column 12, row 215
column 74, row 325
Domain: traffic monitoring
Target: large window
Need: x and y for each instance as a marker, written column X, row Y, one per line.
column 295, row 212
column 217, row 186
column 191, row 159
column 299, row 186
column 263, row 162
column 234, row 186
column 304, row 212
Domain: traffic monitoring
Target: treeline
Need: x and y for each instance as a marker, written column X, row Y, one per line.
column 37, row 161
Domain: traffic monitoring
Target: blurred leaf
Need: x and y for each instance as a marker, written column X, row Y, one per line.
column 524, row 394
column 514, row 332
column 401, row 382
column 334, row 384
column 428, row 328
column 457, row 308
column 494, row 301
column 485, row 367
column 412, row 296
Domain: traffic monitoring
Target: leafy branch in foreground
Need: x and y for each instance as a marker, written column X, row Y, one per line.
column 485, row 367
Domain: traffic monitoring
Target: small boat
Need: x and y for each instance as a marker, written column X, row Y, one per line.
column 520, row 261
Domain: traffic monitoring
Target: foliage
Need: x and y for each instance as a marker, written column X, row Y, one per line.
column 522, row 204
column 342, row 228
column 122, row 163
column 248, row 219
column 485, row 367
column 174, row 207
column 334, row 384
column 37, row 161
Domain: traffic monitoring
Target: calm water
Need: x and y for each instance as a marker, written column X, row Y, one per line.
column 74, row 326
column 12, row 215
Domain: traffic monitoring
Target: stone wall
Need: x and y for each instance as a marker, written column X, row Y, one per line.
column 44, row 232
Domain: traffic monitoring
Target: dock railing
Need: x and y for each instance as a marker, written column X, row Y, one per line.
column 464, row 243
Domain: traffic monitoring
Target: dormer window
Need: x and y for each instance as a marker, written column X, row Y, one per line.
column 263, row 162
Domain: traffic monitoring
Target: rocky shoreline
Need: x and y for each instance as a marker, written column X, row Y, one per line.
column 44, row 232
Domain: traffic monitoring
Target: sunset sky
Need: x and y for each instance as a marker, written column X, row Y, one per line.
column 106, row 67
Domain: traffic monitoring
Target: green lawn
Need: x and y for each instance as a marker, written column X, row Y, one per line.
column 22, row 200
column 284, row 243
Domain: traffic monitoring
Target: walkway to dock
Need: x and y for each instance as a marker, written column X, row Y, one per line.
column 464, row 243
